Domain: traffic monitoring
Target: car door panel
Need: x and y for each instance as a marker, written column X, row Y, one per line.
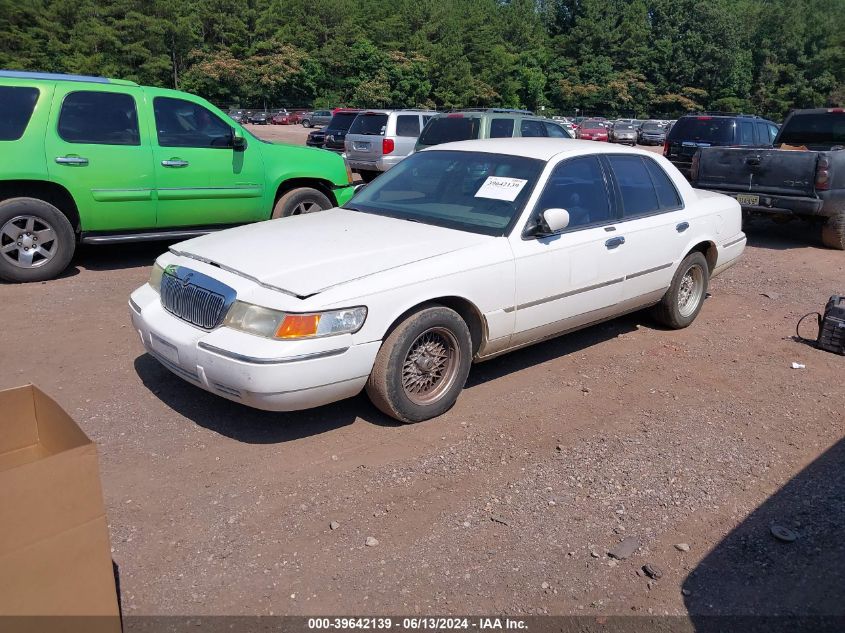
column 200, row 179
column 576, row 276
column 98, row 148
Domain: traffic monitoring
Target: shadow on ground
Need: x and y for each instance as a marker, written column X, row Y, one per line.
column 752, row 581
column 764, row 233
column 262, row 427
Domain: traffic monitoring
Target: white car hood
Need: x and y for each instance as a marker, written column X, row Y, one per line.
column 306, row 254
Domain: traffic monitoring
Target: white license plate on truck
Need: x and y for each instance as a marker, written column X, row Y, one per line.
column 750, row 200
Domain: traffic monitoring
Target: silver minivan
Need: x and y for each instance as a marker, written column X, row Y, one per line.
column 379, row 139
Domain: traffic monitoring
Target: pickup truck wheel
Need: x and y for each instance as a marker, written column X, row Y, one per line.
column 682, row 302
column 301, row 201
column 37, row 240
column 422, row 366
column 833, row 231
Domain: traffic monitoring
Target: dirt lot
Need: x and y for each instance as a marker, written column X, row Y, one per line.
column 507, row 504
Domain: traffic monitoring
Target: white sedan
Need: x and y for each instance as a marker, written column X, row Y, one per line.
column 460, row 253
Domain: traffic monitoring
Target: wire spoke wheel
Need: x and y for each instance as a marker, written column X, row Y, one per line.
column 27, row 241
column 691, row 290
column 431, row 366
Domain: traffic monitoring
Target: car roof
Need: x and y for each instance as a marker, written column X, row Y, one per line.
column 21, row 74
column 541, row 148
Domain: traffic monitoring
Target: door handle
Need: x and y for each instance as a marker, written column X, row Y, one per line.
column 72, row 160
column 683, row 226
column 614, row 242
column 174, row 162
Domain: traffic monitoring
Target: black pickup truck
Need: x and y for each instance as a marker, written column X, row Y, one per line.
column 803, row 176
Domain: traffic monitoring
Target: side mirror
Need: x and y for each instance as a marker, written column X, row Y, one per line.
column 359, row 187
column 556, row 219
column 238, row 141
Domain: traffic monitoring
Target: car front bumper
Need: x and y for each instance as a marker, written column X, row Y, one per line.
column 257, row 372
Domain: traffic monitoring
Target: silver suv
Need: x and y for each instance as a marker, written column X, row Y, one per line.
column 481, row 123
column 379, row 139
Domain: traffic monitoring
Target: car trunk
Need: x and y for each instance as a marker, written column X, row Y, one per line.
column 772, row 171
column 364, row 140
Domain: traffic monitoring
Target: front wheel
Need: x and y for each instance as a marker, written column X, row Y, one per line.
column 833, row 231
column 37, row 240
column 422, row 366
column 301, row 201
column 682, row 302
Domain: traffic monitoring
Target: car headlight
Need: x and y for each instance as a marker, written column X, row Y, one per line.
column 155, row 277
column 276, row 324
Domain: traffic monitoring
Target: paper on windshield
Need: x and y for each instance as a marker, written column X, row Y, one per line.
column 501, row 188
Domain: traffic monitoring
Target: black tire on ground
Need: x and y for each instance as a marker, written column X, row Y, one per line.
column 682, row 302
column 833, row 231
column 306, row 123
column 47, row 240
column 301, row 201
column 435, row 339
column 369, row 176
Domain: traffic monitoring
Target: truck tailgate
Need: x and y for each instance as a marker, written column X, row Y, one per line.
column 772, row 171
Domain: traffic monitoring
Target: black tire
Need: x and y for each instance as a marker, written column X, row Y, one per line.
column 435, row 328
column 29, row 219
column 306, row 123
column 673, row 311
column 301, row 201
column 369, row 176
column 833, row 231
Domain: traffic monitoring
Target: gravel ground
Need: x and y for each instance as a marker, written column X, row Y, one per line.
column 509, row 503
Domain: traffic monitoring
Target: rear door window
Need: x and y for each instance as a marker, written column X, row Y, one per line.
column 99, row 118
column 531, row 128
column 181, row 123
column 16, row 107
column 501, row 128
column 408, row 125
column 370, row 124
column 635, row 184
column 667, row 195
column 746, row 133
column 450, row 128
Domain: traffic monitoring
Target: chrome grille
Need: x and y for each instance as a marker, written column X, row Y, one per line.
column 194, row 297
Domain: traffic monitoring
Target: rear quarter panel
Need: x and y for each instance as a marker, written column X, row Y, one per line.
column 25, row 158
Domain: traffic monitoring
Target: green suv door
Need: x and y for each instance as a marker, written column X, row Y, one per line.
column 201, row 178
column 100, row 152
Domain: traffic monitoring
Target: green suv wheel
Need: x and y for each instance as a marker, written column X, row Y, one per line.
column 36, row 240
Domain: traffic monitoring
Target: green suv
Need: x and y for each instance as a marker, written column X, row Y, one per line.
column 94, row 160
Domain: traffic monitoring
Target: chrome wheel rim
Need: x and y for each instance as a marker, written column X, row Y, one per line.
column 27, row 241
column 691, row 290
column 308, row 206
column 431, row 366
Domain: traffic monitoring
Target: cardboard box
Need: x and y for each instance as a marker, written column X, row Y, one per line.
column 55, row 556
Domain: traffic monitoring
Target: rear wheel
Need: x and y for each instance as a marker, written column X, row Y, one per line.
column 422, row 366
column 833, row 231
column 682, row 302
column 37, row 240
column 301, row 201
column 368, row 176
column 306, row 123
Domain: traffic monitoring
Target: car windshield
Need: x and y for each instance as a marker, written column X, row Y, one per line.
column 469, row 191
column 704, row 128
column 623, row 126
column 447, row 129
column 592, row 124
column 341, row 121
column 814, row 129
column 370, row 124
column 652, row 126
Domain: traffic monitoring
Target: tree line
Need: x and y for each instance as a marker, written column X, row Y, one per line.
column 625, row 57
